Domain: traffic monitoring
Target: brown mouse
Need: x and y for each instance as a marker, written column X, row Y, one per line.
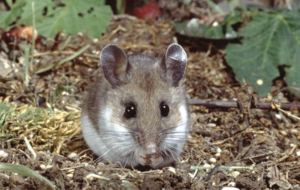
column 137, row 112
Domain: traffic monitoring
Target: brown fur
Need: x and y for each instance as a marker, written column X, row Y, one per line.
column 147, row 88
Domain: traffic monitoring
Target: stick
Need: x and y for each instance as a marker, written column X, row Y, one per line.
column 234, row 104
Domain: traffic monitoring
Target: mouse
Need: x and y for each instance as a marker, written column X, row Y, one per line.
column 136, row 113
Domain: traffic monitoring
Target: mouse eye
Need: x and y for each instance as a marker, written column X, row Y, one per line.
column 130, row 111
column 164, row 109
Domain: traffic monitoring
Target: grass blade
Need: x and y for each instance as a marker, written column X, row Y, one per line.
column 42, row 70
column 24, row 171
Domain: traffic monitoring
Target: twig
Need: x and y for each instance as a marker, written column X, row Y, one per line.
column 64, row 53
column 234, row 104
column 256, row 156
column 124, row 16
column 288, row 155
column 79, row 52
column 29, row 147
column 211, row 173
column 91, row 176
column 222, row 167
column 276, row 106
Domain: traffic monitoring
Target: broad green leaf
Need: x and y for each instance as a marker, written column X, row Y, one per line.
column 8, row 17
column 293, row 73
column 24, row 171
column 67, row 19
column 73, row 17
column 270, row 39
column 39, row 6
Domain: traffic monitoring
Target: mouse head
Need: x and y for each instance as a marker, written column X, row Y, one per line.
column 146, row 101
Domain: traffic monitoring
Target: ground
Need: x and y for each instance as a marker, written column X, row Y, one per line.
column 47, row 111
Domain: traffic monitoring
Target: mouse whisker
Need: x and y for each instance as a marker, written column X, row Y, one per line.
column 102, row 156
column 108, row 136
column 171, row 153
column 120, row 147
column 170, row 139
column 172, row 147
column 178, row 134
column 172, row 128
column 125, row 162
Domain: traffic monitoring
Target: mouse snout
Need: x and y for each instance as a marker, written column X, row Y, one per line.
column 149, row 155
column 150, row 147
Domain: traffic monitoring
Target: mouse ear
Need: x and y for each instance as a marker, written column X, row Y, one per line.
column 174, row 63
column 114, row 64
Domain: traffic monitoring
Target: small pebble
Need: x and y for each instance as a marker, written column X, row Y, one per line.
column 235, row 174
column 212, row 160
column 294, row 131
column 278, row 116
column 258, row 178
column 232, row 184
column 172, row 170
column 211, row 125
column 44, row 167
column 230, row 188
column 3, row 154
column 207, row 165
column 95, row 40
column 293, row 145
column 72, row 155
column 284, row 133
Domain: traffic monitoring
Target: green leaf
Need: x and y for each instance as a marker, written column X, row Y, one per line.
column 67, row 19
column 293, row 72
column 8, row 17
column 3, row 107
column 39, row 6
column 24, row 171
column 270, row 39
column 75, row 16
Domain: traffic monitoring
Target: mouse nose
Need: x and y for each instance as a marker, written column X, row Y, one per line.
column 150, row 147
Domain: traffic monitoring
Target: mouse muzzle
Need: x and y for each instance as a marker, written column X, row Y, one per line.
column 149, row 156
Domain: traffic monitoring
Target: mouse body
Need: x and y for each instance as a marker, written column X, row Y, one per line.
column 137, row 112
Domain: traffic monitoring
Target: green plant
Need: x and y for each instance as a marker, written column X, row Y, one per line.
column 51, row 17
column 24, row 171
column 271, row 39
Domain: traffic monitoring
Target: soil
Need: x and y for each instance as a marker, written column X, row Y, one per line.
column 266, row 141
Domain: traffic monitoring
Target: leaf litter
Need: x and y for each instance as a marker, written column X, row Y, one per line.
column 47, row 113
